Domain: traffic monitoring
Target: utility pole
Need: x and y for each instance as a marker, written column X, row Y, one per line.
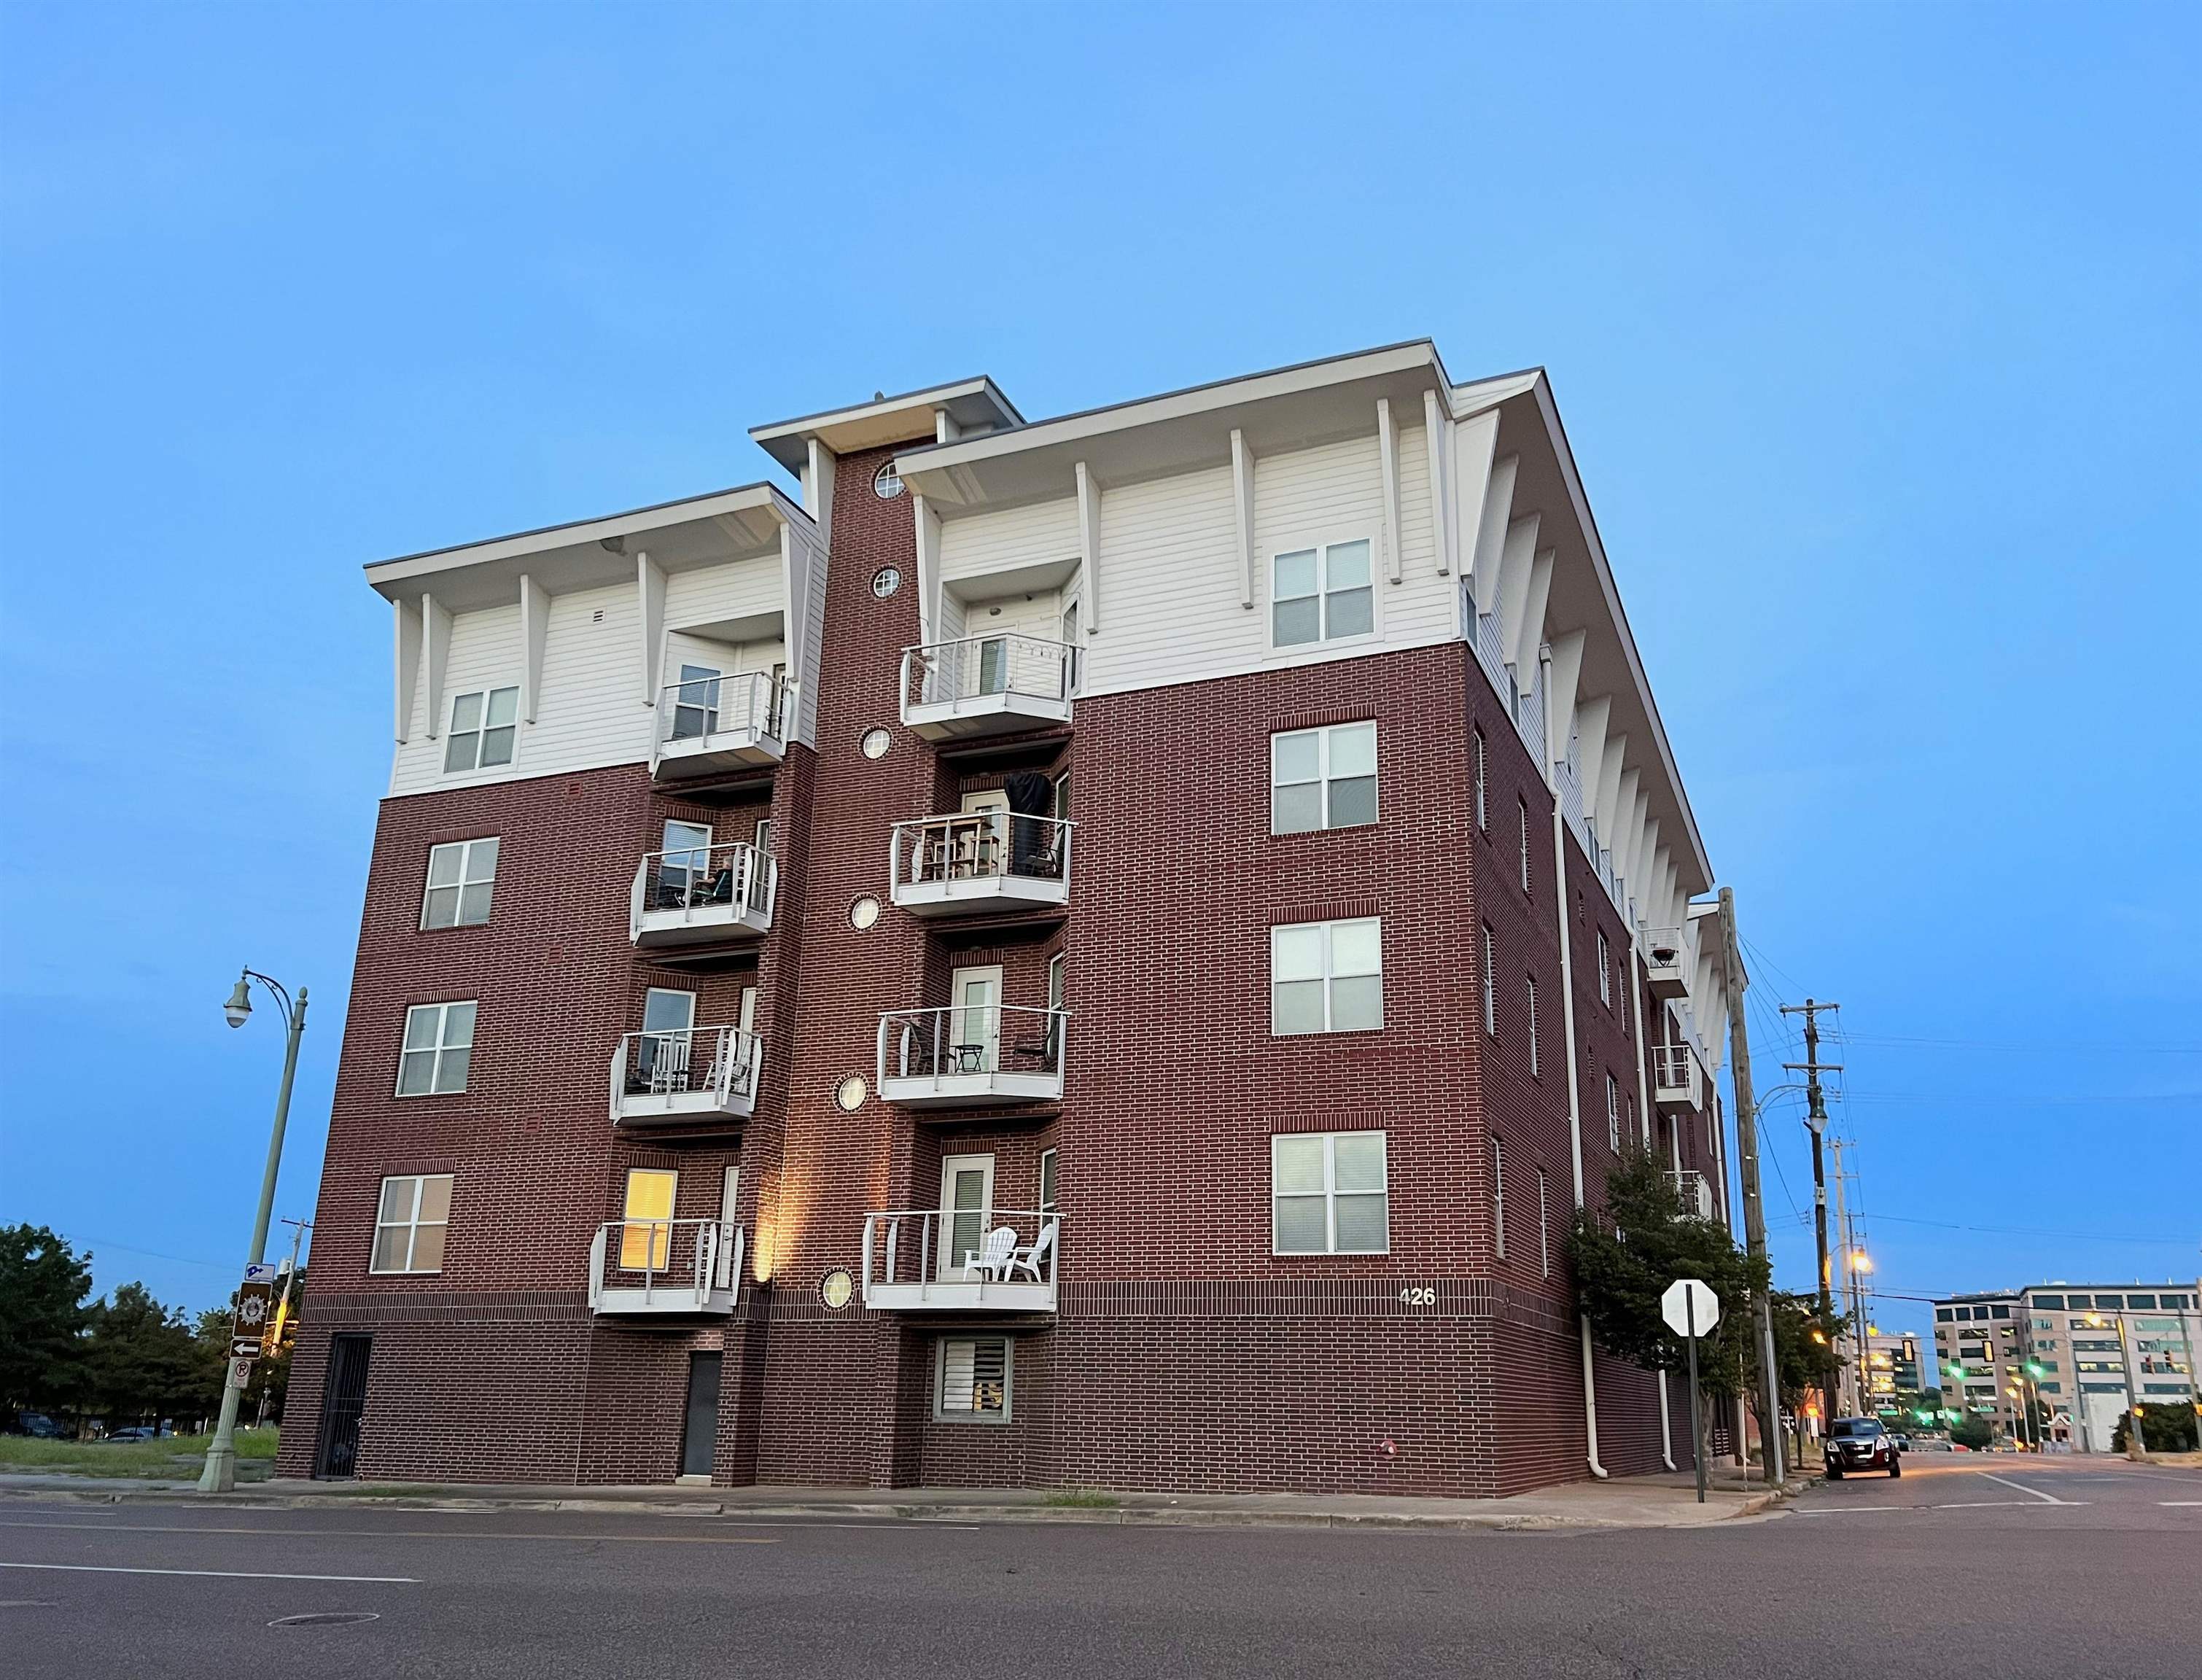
column 298, row 1229
column 1746, row 1160
column 1816, row 1121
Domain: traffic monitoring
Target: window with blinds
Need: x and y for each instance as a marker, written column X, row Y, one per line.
column 975, row 1379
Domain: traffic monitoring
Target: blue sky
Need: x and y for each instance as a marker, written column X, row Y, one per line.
column 1874, row 331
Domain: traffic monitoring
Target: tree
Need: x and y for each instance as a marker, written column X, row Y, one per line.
column 45, row 1284
column 141, row 1361
column 1973, row 1430
column 1804, row 1354
column 2163, row 1428
column 1627, row 1255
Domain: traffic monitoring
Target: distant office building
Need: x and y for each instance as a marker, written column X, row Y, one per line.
column 1892, row 1371
column 2085, row 1351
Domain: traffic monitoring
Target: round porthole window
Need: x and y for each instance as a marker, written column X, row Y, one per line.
column 875, row 743
column 837, row 1289
column 863, row 912
column 851, row 1093
column 886, row 483
column 886, row 580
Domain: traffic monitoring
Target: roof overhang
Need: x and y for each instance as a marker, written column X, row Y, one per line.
column 971, row 405
column 678, row 536
column 1287, row 408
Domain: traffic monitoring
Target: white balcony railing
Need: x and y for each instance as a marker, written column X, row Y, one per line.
column 665, row 1265
column 981, row 860
column 971, row 1054
column 1674, row 1076
column 708, row 726
column 1663, row 951
column 981, row 1259
column 984, row 684
column 689, row 1073
column 698, row 894
column 1696, row 1191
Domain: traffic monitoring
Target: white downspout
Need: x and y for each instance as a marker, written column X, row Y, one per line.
column 1644, row 1131
column 1567, row 1020
column 1666, row 1427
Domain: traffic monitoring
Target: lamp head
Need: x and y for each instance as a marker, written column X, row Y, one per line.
column 239, row 1005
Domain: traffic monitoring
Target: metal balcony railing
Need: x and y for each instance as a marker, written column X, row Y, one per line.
column 1010, row 665
column 665, row 1265
column 970, row 1040
column 730, row 882
column 975, row 1259
column 705, row 712
column 979, row 847
column 682, row 1071
column 1695, row 1190
column 1674, row 1073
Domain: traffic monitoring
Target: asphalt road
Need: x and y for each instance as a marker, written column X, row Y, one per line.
column 2020, row 1567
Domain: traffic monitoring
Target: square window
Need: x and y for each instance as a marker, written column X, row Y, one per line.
column 1322, row 594
column 1328, row 1194
column 1322, row 778
column 462, row 878
column 972, row 1379
column 1326, row 977
column 410, row 1218
column 439, row 1047
column 485, row 725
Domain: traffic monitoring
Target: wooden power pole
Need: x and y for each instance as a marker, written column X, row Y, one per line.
column 1746, row 1158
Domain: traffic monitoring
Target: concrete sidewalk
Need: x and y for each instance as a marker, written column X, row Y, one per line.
column 1660, row 1501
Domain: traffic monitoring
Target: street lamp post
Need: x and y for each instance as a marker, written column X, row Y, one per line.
column 2136, row 1448
column 219, row 1475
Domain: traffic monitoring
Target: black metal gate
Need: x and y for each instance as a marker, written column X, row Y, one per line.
column 344, row 1398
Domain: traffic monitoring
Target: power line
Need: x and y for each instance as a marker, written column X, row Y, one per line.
column 2028, row 1230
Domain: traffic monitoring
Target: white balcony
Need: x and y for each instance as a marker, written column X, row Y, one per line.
column 986, row 684
column 971, row 1056
column 983, row 1260
column 1676, row 1081
column 1696, row 1191
column 683, row 1074
column 987, row 860
column 711, row 726
column 1662, row 962
column 701, row 895
column 638, row 1266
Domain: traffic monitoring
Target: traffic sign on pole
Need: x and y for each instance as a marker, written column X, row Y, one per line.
column 1691, row 1308
column 240, row 1373
column 256, row 1312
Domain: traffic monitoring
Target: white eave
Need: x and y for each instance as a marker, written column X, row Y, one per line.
column 679, row 536
column 1286, row 408
column 971, row 405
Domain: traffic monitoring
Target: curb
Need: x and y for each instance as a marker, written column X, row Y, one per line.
column 1149, row 1517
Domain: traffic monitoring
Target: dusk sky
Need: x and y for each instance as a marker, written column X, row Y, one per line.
column 1875, row 332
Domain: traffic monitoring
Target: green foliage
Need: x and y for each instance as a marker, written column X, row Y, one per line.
column 2163, row 1428
column 175, row 1458
column 45, row 1286
column 1087, row 1498
column 142, row 1361
column 1972, row 1431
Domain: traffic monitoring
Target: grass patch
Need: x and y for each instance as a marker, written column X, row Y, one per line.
column 1088, row 1499
column 177, row 1456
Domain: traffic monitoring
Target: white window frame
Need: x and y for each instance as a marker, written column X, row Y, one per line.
column 1329, row 1192
column 760, row 836
column 1605, row 971
column 1490, row 982
column 469, row 852
column 1482, row 783
column 412, row 1224
column 1051, row 1180
column 479, row 733
column 1324, row 778
column 653, row 1230
column 1321, row 547
column 439, row 1048
column 1536, row 1058
column 940, row 1413
column 1329, row 976
column 1526, row 877
column 1499, row 1197
column 1613, row 1112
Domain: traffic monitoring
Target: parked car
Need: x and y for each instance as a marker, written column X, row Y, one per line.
column 135, row 1432
column 41, row 1427
column 1860, row 1443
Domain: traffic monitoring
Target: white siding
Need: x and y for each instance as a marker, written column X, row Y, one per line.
column 590, row 711
column 1037, row 614
column 740, row 589
column 1001, row 538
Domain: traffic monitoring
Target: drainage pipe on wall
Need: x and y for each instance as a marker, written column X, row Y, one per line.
column 1567, row 1020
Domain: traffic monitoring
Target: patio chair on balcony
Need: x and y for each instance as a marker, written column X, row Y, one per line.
column 719, row 889
column 990, row 1261
column 1030, row 1261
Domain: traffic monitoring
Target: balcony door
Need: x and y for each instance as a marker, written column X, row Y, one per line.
column 695, row 708
column 966, row 1201
column 974, row 1024
column 685, row 865
column 988, row 842
column 668, row 1023
column 722, row 1270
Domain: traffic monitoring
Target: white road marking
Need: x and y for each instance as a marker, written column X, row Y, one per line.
column 2008, row 1505
column 1844, row 1510
column 396, row 1533
column 2186, row 1504
column 222, row 1574
column 2046, row 1498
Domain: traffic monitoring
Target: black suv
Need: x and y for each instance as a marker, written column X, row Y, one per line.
column 1860, row 1443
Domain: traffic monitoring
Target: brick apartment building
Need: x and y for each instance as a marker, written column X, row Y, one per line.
column 1102, row 951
